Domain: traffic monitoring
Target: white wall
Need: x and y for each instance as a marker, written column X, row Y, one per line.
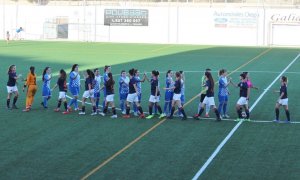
column 182, row 25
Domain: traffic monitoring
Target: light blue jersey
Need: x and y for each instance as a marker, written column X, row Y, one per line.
column 46, row 86
column 138, row 84
column 123, row 87
column 74, row 80
column 97, row 84
column 223, row 90
column 169, row 84
column 74, row 83
column 46, row 82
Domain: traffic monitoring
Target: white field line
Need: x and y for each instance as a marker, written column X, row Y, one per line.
column 252, row 121
column 221, row 145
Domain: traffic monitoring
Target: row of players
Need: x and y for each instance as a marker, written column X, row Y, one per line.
column 130, row 92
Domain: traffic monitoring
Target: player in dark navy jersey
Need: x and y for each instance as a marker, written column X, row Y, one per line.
column 209, row 98
column 139, row 88
column 202, row 96
column 244, row 97
column 12, row 86
column 132, row 96
column 89, row 92
column 177, row 96
column 155, row 95
column 282, row 100
column 62, row 87
column 110, row 93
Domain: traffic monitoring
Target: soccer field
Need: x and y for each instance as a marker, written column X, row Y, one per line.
column 43, row 144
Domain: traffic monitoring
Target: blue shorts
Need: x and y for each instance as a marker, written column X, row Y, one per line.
column 123, row 96
column 104, row 92
column 182, row 99
column 46, row 92
column 74, row 91
column 97, row 95
column 169, row 96
column 223, row 99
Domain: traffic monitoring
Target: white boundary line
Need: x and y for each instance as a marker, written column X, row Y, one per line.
column 221, row 145
column 252, row 121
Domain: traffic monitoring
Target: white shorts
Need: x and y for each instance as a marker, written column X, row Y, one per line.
column 242, row 101
column 12, row 89
column 210, row 101
column 176, row 97
column 283, row 102
column 132, row 98
column 152, row 99
column 110, row 98
column 62, row 95
column 88, row 94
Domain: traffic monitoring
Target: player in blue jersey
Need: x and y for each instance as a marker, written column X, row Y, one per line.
column 209, row 98
column 97, row 87
column 74, row 86
column 176, row 101
column 89, row 92
column 282, row 100
column 139, row 89
column 19, row 32
column 46, row 86
column 132, row 96
column 169, row 93
column 223, row 93
column 123, row 90
column 107, row 69
column 155, row 95
column 62, row 86
column 12, row 86
column 110, row 93
column 244, row 97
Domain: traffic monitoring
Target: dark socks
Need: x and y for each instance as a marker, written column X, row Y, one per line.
column 83, row 108
column 172, row 111
column 239, row 112
column 7, row 103
column 59, row 104
column 159, row 109
column 247, row 114
column 200, row 111
column 66, row 105
column 217, row 113
column 287, row 112
column 114, row 110
column 127, row 110
column 15, row 100
column 94, row 108
column 277, row 113
column 150, row 109
column 182, row 111
column 105, row 109
column 140, row 109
